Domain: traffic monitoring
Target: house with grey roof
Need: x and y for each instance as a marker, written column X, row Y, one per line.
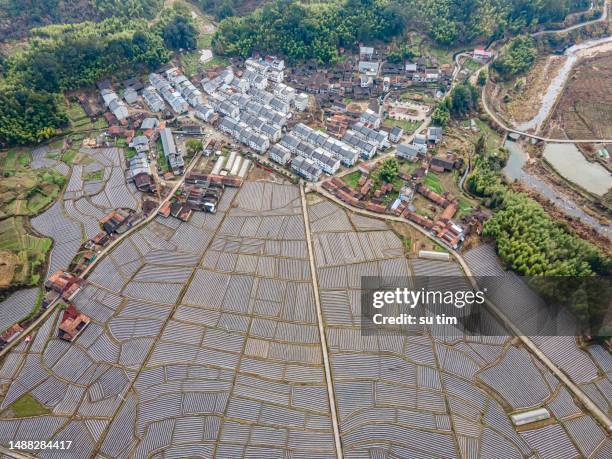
column 172, row 154
column 140, row 143
column 365, row 148
column 306, row 168
column 153, row 99
column 379, row 138
column 301, row 102
column 370, row 118
column 407, row 151
column 130, row 95
column 434, row 134
column 118, row 108
column 204, row 112
column 396, row 134
column 279, row 154
column 368, row 68
column 149, row 123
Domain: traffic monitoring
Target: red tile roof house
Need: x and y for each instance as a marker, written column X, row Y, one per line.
column 9, row 335
column 73, row 323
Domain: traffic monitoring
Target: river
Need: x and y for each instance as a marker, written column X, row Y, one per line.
column 567, row 160
column 556, row 85
column 514, row 171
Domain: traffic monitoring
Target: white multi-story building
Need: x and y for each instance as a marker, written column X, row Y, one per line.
column 306, row 168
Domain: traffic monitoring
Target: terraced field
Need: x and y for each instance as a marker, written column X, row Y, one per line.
column 428, row 395
column 71, row 221
column 204, row 343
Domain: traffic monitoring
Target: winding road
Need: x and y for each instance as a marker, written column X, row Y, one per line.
column 603, row 17
column 502, row 124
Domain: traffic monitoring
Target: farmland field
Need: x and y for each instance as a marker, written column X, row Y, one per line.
column 584, row 109
column 28, row 252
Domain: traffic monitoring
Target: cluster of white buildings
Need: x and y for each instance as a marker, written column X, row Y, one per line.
column 270, row 67
column 153, row 99
column 114, row 104
column 306, row 168
column 335, row 148
column 244, row 134
column 253, row 113
column 188, row 91
column 322, row 158
column 169, row 93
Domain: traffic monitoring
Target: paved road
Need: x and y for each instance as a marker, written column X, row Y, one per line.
column 505, row 127
column 495, row 118
column 321, row 326
column 602, row 18
column 597, row 413
column 52, row 306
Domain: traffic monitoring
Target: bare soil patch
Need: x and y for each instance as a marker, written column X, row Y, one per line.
column 8, row 261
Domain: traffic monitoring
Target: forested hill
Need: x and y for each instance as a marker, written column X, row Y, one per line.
column 315, row 30
column 17, row 17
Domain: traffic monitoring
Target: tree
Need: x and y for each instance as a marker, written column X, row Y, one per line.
column 464, row 99
column 28, row 116
column 193, row 146
column 516, row 58
column 388, row 170
column 180, row 33
column 482, row 77
column 441, row 115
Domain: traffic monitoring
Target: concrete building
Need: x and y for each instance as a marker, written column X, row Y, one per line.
column 306, row 168
column 172, row 154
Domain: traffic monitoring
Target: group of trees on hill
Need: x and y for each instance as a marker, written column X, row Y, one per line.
column 462, row 101
column 17, row 17
column 527, row 239
column 180, row 33
column 532, row 244
column 28, row 116
column 517, row 57
column 63, row 57
column 303, row 30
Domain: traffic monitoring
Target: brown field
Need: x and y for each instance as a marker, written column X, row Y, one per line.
column 584, row 109
column 8, row 261
column 519, row 100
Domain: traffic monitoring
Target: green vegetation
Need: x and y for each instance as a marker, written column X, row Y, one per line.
column 69, row 156
column 27, row 406
column 95, row 176
column 302, row 31
column 526, row 237
column 408, row 126
column 28, row 116
column 305, row 30
column 482, row 77
column 352, row 179
column 62, row 57
column 432, row 181
column 18, row 16
column 463, row 99
column 388, row 170
column 516, row 58
column 441, row 114
column 29, row 252
column 180, row 33
column 193, row 146
column 532, row 244
column 25, row 191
